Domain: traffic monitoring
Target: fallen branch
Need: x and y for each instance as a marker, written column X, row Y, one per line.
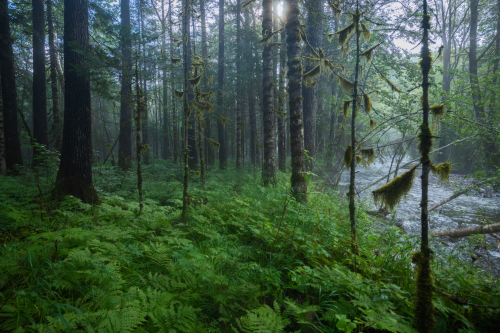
column 456, row 195
column 468, row 231
column 460, row 301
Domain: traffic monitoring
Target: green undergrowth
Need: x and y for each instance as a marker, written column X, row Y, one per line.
column 247, row 259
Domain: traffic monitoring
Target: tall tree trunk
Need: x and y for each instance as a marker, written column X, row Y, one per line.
column 191, row 130
column 315, row 38
column 269, row 167
column 249, row 68
column 424, row 309
column 209, row 150
column 239, row 99
column 220, row 100
column 299, row 185
column 40, row 132
column 145, row 116
column 3, row 165
column 174, row 113
column 281, row 106
column 125, row 138
column 75, row 171
column 164, row 104
column 352, row 180
column 56, row 126
column 13, row 155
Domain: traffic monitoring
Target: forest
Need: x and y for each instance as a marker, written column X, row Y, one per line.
column 250, row 166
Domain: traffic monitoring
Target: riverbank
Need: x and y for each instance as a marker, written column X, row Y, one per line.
column 247, row 257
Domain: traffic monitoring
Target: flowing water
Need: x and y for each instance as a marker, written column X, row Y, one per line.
column 478, row 208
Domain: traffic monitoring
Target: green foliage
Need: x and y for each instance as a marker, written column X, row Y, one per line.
column 75, row 267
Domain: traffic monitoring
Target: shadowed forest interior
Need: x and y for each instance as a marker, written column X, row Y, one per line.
column 249, row 166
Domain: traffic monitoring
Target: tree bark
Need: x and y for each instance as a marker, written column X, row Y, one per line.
column 209, row 150
column 174, row 113
column 75, row 171
column 56, row 125
column 315, row 38
column 299, row 185
column 281, row 106
column 3, row 165
column 40, row 132
column 269, row 169
column 164, row 102
column 220, row 101
column 239, row 99
column 125, row 138
column 13, row 154
column 145, row 115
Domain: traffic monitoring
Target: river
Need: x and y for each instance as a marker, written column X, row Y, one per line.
column 479, row 207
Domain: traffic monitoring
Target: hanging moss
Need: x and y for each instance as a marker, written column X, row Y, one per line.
column 309, row 76
column 366, row 33
column 178, row 94
column 440, row 52
column 438, row 111
column 345, row 84
column 175, row 61
column 346, row 108
column 424, row 140
column 442, row 171
column 367, row 103
column 247, row 4
column 194, row 82
column 368, row 54
column 348, row 156
column 344, row 34
column 359, row 160
column 391, row 193
column 335, row 8
column 214, row 144
column 393, row 87
column 267, row 38
column 223, row 121
column 368, row 155
column 202, row 107
column 373, row 124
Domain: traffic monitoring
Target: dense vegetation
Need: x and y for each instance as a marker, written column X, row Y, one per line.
column 249, row 258
column 228, row 125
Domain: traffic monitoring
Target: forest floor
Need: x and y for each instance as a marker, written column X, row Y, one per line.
column 247, row 259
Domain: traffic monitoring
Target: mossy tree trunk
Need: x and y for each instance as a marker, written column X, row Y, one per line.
column 186, row 52
column 315, row 38
column 220, row 99
column 125, row 137
column 299, row 185
column 75, row 171
column 424, row 309
column 40, row 127
column 192, row 153
column 164, row 103
column 56, row 118
column 269, row 144
column 3, row 164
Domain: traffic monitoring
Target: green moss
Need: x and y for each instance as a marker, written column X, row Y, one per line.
column 391, row 193
column 424, row 142
column 442, row 171
column 348, row 156
column 424, row 308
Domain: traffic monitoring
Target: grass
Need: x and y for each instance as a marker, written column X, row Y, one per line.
column 247, row 259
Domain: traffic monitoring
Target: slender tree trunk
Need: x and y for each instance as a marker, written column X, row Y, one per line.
column 13, row 155
column 56, row 126
column 209, row 150
column 315, row 38
column 220, row 101
column 166, row 122
column 191, row 129
column 249, row 68
column 138, row 125
column 299, row 185
column 40, row 131
column 186, row 52
column 424, row 309
column 352, row 182
column 269, row 167
column 125, row 138
column 145, row 116
column 239, row 99
column 174, row 113
column 75, row 171
column 281, row 106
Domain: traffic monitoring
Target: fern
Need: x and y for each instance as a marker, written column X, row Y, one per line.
column 263, row 320
column 180, row 318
